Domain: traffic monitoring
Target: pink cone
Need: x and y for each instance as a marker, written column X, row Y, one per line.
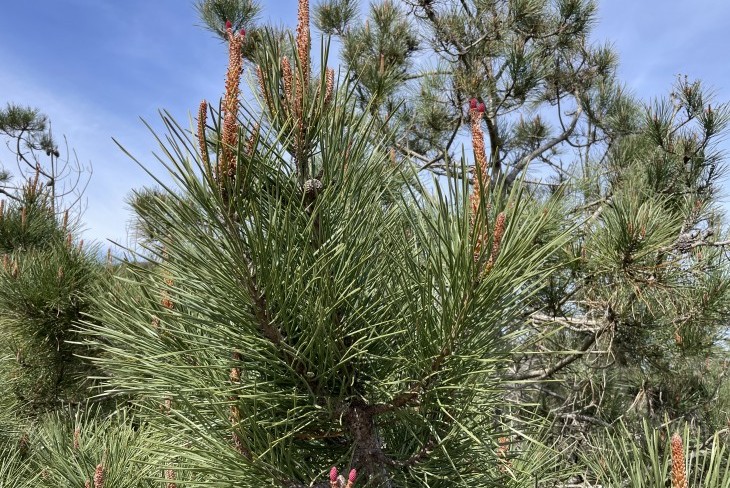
column 481, row 108
column 473, row 103
column 228, row 24
column 353, row 475
column 333, row 474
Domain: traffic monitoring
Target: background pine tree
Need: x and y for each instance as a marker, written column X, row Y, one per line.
column 37, row 156
column 47, row 282
column 48, row 276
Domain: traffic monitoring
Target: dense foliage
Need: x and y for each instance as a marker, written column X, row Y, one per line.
column 326, row 277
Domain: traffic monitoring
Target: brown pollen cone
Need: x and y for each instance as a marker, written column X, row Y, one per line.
column 170, row 476
column 235, row 375
column 99, row 476
column 231, row 98
column 329, row 85
column 252, row 139
column 502, row 452
column 303, row 38
column 165, row 299
column 481, row 176
column 302, row 87
column 166, row 407
column 202, row 119
column 262, row 89
column 679, row 475
column 288, row 76
column 497, row 239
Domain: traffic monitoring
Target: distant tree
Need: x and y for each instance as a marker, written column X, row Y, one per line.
column 47, row 276
column 46, row 284
column 36, row 153
column 54, row 430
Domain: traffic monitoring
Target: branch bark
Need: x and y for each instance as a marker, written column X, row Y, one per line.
column 541, row 374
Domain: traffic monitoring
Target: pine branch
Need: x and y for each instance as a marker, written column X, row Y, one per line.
column 525, row 160
column 541, row 374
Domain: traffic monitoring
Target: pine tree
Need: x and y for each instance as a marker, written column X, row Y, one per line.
column 45, row 288
column 313, row 304
column 46, row 283
column 638, row 294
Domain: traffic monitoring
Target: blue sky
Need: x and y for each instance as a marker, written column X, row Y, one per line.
column 97, row 66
